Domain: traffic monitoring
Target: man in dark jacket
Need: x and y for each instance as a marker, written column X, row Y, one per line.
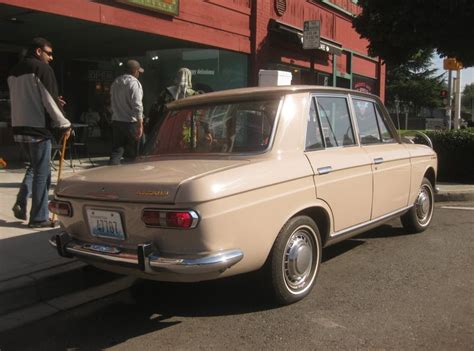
column 36, row 110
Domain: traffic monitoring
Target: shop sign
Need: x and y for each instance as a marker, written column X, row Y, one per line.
column 311, row 34
column 203, row 72
column 169, row 7
column 95, row 75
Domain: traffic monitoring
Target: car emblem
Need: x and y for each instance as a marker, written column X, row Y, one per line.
column 157, row 193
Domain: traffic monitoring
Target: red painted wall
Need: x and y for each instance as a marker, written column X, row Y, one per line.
column 219, row 23
column 335, row 26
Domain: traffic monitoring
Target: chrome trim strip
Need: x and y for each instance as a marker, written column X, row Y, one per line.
column 217, row 262
column 373, row 221
column 154, row 263
column 325, row 170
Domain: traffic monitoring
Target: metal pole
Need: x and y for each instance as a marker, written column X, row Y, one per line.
column 406, row 117
column 450, row 99
column 457, row 101
column 472, row 109
column 397, row 108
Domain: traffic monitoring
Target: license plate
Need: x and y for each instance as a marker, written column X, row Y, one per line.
column 106, row 224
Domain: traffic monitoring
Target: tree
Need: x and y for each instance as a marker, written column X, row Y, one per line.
column 467, row 99
column 414, row 84
column 398, row 30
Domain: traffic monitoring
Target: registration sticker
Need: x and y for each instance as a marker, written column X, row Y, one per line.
column 105, row 224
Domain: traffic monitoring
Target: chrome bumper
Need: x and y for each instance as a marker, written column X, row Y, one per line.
column 145, row 259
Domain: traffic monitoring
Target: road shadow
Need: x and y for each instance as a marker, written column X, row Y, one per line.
column 384, row 231
column 145, row 308
column 240, row 294
column 341, row 248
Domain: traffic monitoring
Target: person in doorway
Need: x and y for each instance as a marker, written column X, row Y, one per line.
column 127, row 114
column 36, row 113
column 182, row 88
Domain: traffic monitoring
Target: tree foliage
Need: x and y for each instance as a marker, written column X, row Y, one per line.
column 398, row 30
column 414, row 84
column 467, row 99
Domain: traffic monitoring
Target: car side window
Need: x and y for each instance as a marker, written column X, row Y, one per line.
column 387, row 136
column 314, row 139
column 367, row 122
column 335, row 121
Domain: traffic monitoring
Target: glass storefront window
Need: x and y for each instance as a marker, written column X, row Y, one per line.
column 212, row 70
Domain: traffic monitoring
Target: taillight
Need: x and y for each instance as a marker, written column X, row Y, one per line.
column 186, row 219
column 61, row 208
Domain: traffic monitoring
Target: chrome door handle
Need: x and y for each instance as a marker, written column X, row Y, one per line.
column 378, row 160
column 324, row 170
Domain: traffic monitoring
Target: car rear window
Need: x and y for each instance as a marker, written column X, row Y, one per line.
column 238, row 127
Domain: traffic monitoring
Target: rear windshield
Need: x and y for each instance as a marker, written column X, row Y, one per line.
column 239, row 127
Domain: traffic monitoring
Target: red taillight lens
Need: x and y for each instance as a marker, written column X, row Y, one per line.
column 61, row 208
column 178, row 219
column 170, row 219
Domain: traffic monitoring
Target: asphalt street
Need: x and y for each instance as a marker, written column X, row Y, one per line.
column 384, row 289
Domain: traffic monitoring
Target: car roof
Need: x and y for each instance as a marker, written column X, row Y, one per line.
column 258, row 92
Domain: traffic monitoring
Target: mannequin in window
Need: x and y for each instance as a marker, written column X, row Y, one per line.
column 181, row 89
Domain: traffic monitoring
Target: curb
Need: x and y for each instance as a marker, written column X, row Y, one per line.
column 74, row 277
column 47, row 308
column 454, row 196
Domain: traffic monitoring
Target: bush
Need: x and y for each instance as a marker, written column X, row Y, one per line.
column 455, row 151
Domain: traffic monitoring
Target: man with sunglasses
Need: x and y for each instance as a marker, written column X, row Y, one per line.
column 36, row 110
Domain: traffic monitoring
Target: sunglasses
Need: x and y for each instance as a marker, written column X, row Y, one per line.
column 49, row 53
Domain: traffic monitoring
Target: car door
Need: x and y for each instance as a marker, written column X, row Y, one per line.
column 390, row 160
column 342, row 170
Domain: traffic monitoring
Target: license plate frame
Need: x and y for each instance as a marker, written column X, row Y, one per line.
column 105, row 224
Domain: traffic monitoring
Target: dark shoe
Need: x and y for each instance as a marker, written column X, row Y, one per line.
column 19, row 212
column 44, row 224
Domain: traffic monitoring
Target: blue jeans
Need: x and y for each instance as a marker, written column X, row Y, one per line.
column 37, row 180
column 124, row 142
column 25, row 187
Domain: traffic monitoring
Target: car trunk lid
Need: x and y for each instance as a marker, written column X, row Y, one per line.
column 154, row 181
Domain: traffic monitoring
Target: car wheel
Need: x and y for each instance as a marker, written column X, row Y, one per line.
column 294, row 260
column 418, row 218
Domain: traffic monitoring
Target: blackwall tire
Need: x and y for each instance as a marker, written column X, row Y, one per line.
column 419, row 217
column 294, row 260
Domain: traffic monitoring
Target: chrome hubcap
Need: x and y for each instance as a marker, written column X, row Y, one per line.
column 299, row 261
column 423, row 205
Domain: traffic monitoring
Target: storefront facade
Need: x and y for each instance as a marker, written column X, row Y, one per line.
column 224, row 43
column 341, row 60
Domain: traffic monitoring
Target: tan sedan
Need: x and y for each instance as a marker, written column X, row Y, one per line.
column 248, row 179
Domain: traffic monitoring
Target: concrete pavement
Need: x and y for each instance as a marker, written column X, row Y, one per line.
column 33, row 278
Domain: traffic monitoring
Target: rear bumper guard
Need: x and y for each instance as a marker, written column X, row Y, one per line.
column 146, row 258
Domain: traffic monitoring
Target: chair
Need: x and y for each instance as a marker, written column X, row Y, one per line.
column 78, row 141
column 56, row 150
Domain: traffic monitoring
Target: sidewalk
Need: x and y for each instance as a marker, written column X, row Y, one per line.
column 35, row 282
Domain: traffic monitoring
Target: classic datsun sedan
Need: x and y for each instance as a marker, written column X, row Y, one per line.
column 248, row 179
